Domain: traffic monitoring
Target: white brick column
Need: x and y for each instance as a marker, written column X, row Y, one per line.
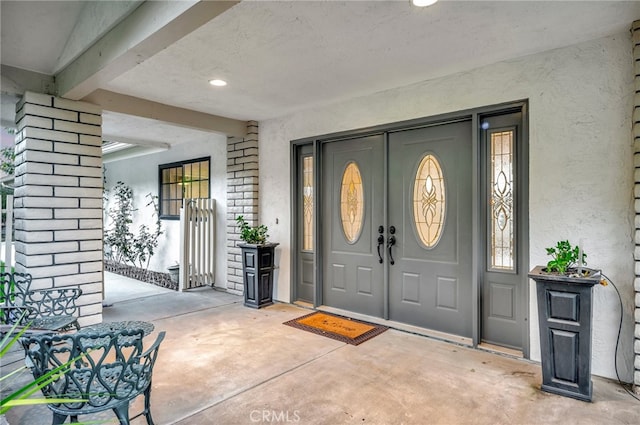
column 242, row 197
column 636, row 160
column 58, row 197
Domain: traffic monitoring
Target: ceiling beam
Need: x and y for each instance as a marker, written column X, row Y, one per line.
column 15, row 81
column 149, row 29
column 130, row 152
column 136, row 142
column 96, row 19
column 124, row 104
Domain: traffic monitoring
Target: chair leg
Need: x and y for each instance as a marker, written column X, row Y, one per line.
column 147, row 405
column 122, row 412
column 58, row 418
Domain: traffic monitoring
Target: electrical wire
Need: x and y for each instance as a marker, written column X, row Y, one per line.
column 615, row 360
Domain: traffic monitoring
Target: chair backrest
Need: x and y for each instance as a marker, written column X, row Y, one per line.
column 53, row 302
column 102, row 369
column 15, row 291
column 14, row 288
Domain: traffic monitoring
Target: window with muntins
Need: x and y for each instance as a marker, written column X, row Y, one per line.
column 182, row 180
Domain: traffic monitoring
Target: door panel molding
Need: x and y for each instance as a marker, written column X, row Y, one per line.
column 444, row 269
column 361, row 280
column 504, row 287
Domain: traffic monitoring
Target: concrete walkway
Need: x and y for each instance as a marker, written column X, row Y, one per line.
column 224, row 363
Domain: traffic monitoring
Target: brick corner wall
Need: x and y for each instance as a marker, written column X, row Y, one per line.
column 635, row 30
column 242, row 198
column 58, row 197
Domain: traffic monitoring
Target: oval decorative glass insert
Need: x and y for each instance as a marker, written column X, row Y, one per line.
column 429, row 201
column 501, row 184
column 352, row 202
column 501, row 218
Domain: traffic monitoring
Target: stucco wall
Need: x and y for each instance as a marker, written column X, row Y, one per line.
column 581, row 180
column 141, row 173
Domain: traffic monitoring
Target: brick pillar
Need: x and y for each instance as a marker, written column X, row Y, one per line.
column 636, row 162
column 58, row 197
column 242, row 197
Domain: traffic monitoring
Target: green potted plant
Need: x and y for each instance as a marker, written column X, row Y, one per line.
column 564, row 258
column 257, row 264
column 564, row 293
column 256, row 235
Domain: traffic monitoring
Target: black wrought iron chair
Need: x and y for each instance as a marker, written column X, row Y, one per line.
column 52, row 309
column 106, row 371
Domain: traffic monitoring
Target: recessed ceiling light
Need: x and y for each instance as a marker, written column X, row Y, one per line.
column 218, row 83
column 423, row 3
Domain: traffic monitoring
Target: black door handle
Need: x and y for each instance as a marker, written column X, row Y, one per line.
column 391, row 242
column 380, row 243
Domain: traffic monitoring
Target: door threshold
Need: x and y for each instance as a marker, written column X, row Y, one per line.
column 443, row 336
column 498, row 349
column 304, row 304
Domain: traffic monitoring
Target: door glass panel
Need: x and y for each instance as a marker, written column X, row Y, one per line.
column 188, row 174
column 501, row 201
column 429, row 201
column 307, row 203
column 351, row 202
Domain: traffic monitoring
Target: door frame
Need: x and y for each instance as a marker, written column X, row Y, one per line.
column 477, row 203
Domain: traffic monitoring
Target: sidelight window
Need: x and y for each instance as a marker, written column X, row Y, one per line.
column 307, row 203
column 501, row 200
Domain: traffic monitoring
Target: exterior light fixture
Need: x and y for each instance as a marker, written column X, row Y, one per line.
column 218, row 83
column 423, row 3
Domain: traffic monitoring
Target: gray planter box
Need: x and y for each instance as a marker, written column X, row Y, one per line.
column 565, row 320
column 257, row 272
column 174, row 272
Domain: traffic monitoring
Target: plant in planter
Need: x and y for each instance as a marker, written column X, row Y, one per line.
column 254, row 235
column 565, row 257
column 257, row 264
column 564, row 294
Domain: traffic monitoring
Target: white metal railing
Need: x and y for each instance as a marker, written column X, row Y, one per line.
column 197, row 241
column 7, row 224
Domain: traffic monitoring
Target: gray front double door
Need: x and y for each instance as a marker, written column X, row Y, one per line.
column 397, row 232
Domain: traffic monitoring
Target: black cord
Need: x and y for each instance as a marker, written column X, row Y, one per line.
column 615, row 360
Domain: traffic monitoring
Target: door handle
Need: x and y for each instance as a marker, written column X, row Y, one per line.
column 380, row 243
column 391, row 242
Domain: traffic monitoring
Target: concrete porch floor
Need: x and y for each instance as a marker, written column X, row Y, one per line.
column 225, row 363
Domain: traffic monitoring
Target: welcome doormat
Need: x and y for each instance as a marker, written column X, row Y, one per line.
column 340, row 328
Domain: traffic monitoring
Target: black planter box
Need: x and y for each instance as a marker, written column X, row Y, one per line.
column 257, row 272
column 565, row 320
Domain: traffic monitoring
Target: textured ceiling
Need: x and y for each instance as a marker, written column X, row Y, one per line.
column 282, row 56
column 279, row 57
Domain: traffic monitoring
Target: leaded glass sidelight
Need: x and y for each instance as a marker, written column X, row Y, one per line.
column 501, row 197
column 429, row 201
column 307, row 203
column 352, row 202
